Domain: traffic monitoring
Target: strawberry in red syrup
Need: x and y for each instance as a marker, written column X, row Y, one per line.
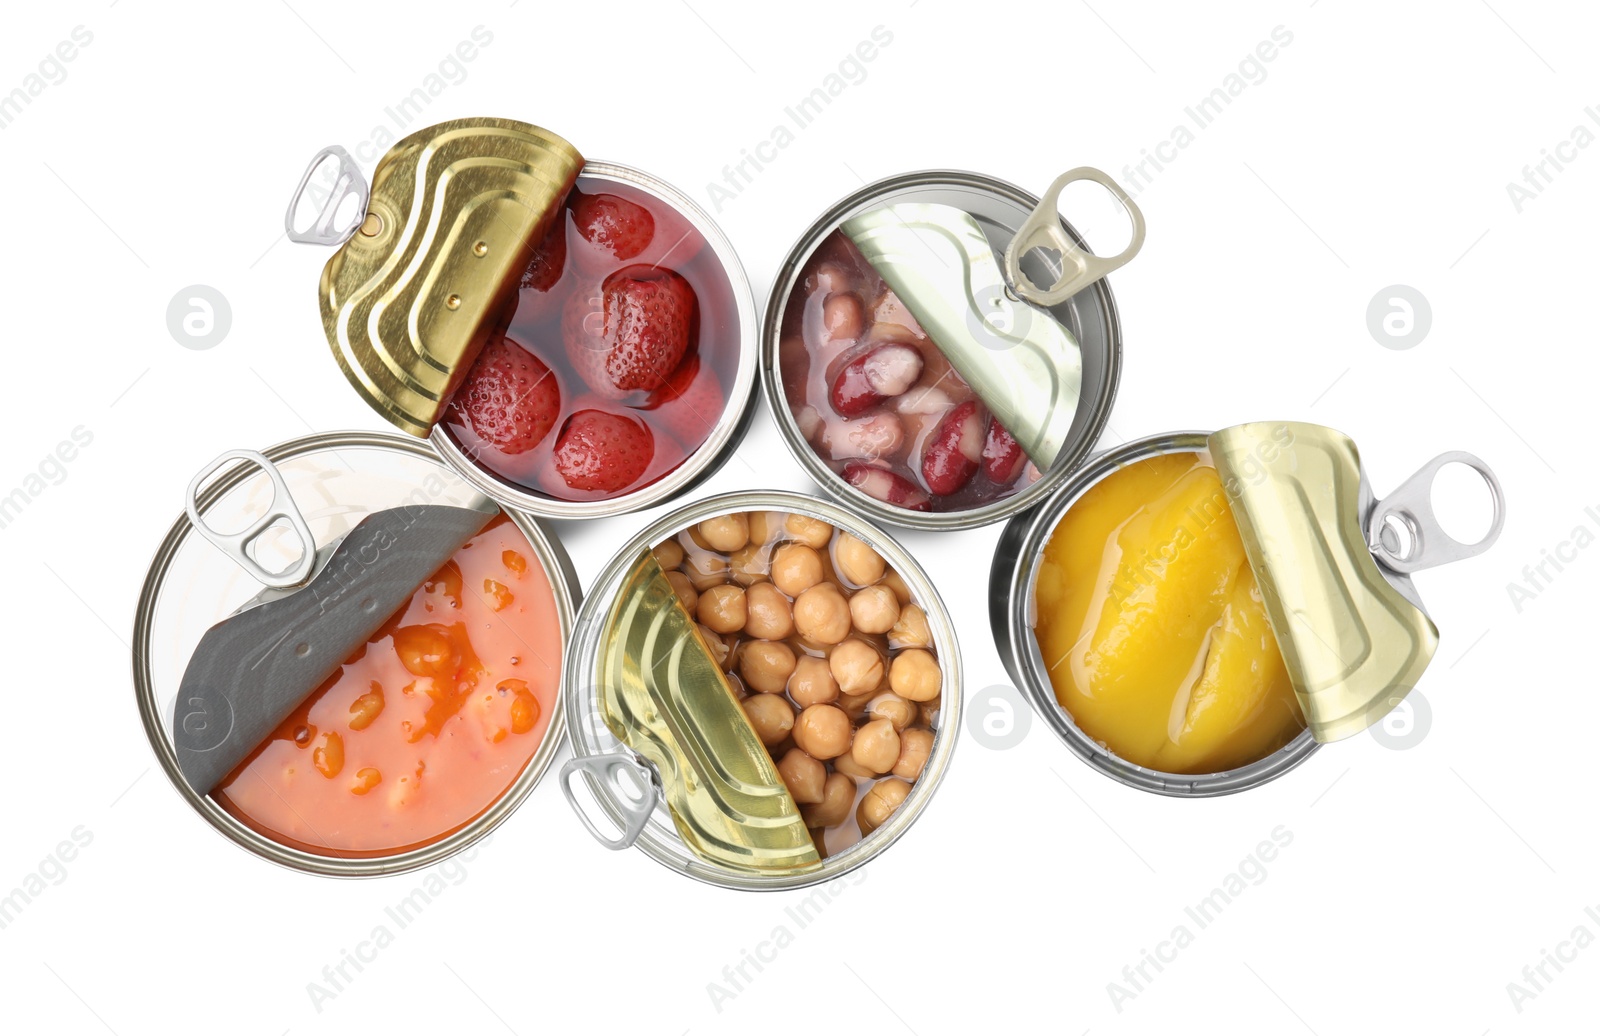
column 633, row 334
column 691, row 402
column 549, row 259
column 951, row 456
column 601, row 451
column 616, row 229
column 509, row 397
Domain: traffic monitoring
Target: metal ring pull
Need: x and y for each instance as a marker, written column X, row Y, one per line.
column 1411, row 505
column 1079, row 268
column 604, row 769
column 347, row 183
column 236, row 545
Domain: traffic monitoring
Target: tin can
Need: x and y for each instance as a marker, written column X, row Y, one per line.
column 1281, row 569
column 336, row 479
column 627, row 791
column 1008, row 218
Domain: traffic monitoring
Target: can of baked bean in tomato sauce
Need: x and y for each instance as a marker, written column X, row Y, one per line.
column 914, row 365
column 1195, row 614
column 763, row 692
column 380, row 770
column 576, row 338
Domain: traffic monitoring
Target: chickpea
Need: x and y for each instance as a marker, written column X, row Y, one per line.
column 796, row 568
column 727, row 533
column 880, row 801
column 668, row 554
column 705, row 569
column 911, row 629
column 915, row 675
column 768, row 614
column 897, row 583
column 897, row 710
column 765, row 526
column 822, row 615
column 722, row 608
column 766, row 665
column 876, row 746
column 850, row 768
column 874, row 609
column 822, row 731
column 748, row 564
column 719, row 647
column 812, row 682
column 684, row 589
column 805, row 778
column 813, row 532
column 853, row 704
column 838, row 795
column 856, row 666
column 857, row 563
column 771, row 715
column 915, row 745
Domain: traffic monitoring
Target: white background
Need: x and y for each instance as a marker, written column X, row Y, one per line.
column 1376, row 151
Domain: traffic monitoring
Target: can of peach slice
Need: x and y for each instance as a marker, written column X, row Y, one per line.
column 941, row 349
column 577, row 339
column 1195, row 614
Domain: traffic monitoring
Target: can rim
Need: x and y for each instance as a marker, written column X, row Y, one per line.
column 661, row 835
column 725, row 434
column 564, row 588
column 831, row 483
column 1028, row 663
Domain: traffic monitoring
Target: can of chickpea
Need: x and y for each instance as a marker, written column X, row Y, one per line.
column 434, row 727
column 763, row 691
column 941, row 349
column 1195, row 614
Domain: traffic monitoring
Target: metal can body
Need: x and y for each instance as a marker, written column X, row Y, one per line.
column 169, row 617
column 1012, row 615
column 1000, row 210
column 591, row 737
column 725, row 435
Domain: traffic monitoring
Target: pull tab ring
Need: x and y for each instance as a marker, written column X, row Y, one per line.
column 1411, row 504
column 348, row 183
column 1043, row 229
column 236, row 545
column 604, row 769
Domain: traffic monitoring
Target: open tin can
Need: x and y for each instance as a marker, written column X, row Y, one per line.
column 736, row 717
column 337, row 528
column 1326, row 628
column 576, row 338
column 941, row 349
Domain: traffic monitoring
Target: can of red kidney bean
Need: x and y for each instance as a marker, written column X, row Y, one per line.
column 988, row 408
column 816, row 619
column 1325, row 627
column 370, row 804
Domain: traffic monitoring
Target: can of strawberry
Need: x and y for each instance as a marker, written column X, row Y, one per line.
column 576, row 338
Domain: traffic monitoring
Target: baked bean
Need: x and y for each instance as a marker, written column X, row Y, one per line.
column 822, row 731
column 328, row 757
column 684, row 589
column 856, row 666
column 705, row 569
column 366, row 708
column 668, row 554
column 765, row 526
column 897, row 710
column 850, row 768
column 874, row 609
column 841, row 317
column 822, row 615
column 914, row 748
column 796, row 568
column 805, row 778
column 749, row 564
column 813, row 532
column 768, row 614
column 857, row 563
column 766, row 665
column 367, row 778
column 722, row 608
column 524, row 706
column 915, row 674
column 876, row 746
column 719, row 647
column 812, row 682
column 424, row 650
column 838, row 795
column 896, row 582
column 771, row 715
column 910, row 630
column 726, row 533
column 881, row 800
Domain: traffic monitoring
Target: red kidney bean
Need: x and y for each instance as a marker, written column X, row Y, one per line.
column 952, row 453
column 880, row 373
column 886, row 486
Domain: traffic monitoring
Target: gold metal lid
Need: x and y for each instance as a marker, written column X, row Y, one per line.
column 413, row 295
